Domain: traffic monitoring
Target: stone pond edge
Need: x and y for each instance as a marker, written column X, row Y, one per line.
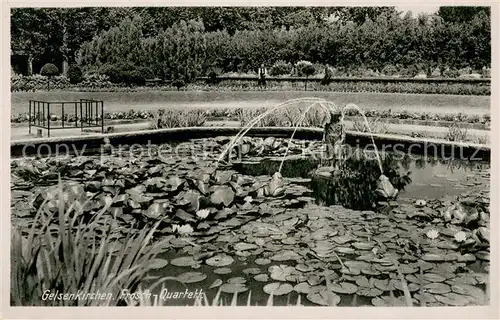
column 30, row 147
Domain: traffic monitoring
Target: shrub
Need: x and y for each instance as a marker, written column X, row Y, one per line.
column 450, row 73
column 178, row 84
column 75, row 74
column 389, row 70
column 49, row 70
column 112, row 72
column 281, row 68
column 305, row 69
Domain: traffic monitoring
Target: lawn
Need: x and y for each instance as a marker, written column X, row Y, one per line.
column 124, row 101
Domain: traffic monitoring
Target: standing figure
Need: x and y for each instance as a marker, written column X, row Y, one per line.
column 262, row 75
column 334, row 136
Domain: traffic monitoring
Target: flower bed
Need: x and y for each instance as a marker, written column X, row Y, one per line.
column 239, row 114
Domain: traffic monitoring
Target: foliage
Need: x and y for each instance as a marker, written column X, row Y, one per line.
column 281, row 68
column 49, row 70
column 37, row 82
column 75, row 74
column 164, row 119
column 305, row 69
column 240, row 39
column 353, row 185
column 74, row 255
column 455, row 133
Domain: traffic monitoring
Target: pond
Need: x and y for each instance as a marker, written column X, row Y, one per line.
column 255, row 234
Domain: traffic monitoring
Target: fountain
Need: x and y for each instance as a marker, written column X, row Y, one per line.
column 384, row 187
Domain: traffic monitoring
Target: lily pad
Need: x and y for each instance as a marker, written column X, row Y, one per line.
column 386, row 301
column 222, row 271
column 191, row 277
column 302, row 287
column 220, row 260
column 363, row 245
column 433, row 257
column 282, row 272
column 187, row 261
column 263, row 277
column 469, row 290
column 324, row 298
column 240, row 280
column 434, row 277
column 344, row 288
column 242, row 246
column 452, row 299
column 222, row 196
column 251, row 271
column 437, row 288
column 215, row 284
column 285, row 256
column 278, row 288
column 369, row 292
column 158, row 264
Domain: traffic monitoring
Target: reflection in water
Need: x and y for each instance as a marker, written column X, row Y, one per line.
column 431, row 177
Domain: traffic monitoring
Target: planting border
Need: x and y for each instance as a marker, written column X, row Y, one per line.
column 91, row 144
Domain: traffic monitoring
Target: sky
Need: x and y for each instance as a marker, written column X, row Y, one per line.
column 416, row 9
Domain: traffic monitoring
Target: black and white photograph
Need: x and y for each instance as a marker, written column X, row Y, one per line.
column 250, row 156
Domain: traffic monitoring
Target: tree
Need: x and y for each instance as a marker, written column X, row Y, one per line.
column 49, row 70
column 461, row 13
column 29, row 33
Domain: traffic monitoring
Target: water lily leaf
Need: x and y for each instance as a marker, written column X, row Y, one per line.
column 220, row 260
column 242, row 246
column 344, row 288
column 263, row 277
column 282, row 272
column 467, row 257
column 285, row 256
column 262, row 261
column 233, row 287
column 369, row 292
column 278, row 288
column 483, row 255
column 156, row 210
column 191, row 277
column 382, row 284
column 222, row 196
column 363, row 245
column 434, row 277
column 433, row 257
column 251, row 271
column 215, row 284
column 240, row 280
column 223, row 177
column 187, row 261
column 173, row 183
column 469, row 290
column 302, row 287
column 222, row 270
column 189, row 200
column 158, row 264
column 452, row 299
column 386, row 301
column 324, row 298
column 437, row 288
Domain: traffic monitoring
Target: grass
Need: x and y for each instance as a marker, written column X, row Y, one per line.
column 153, row 100
column 74, row 256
